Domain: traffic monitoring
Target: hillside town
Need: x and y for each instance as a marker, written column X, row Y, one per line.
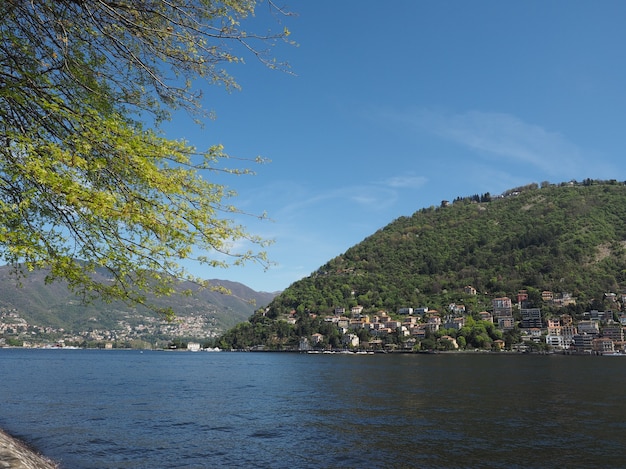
column 133, row 331
column 512, row 326
column 596, row 332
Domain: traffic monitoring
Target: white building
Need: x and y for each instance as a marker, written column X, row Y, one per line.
column 351, row 340
column 193, row 346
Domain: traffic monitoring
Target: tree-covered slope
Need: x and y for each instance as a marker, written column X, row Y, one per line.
column 565, row 238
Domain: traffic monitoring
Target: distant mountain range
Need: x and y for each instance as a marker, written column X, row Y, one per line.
column 53, row 305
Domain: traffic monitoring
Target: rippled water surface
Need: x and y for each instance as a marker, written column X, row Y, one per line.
column 126, row 409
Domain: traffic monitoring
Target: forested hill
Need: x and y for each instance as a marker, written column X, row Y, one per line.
column 564, row 238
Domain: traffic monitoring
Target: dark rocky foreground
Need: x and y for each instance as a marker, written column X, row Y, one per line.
column 16, row 455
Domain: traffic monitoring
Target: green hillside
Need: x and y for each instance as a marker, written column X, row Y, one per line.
column 566, row 238
column 53, row 305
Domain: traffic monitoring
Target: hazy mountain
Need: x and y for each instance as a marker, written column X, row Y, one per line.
column 53, row 305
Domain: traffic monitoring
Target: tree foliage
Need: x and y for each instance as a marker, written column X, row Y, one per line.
column 84, row 182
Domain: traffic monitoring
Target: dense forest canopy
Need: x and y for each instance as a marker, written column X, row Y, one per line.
column 565, row 238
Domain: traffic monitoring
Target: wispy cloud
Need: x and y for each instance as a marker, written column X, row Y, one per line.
column 503, row 136
column 405, row 182
column 374, row 195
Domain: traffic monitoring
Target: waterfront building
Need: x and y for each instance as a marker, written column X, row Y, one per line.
column 588, row 327
column 531, row 317
column 583, row 343
column 603, row 345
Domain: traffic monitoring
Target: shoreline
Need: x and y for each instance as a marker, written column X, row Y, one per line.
column 16, row 454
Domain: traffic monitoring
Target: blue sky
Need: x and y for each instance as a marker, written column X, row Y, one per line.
column 396, row 106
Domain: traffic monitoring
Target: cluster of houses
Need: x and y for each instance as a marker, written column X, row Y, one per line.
column 598, row 332
column 131, row 327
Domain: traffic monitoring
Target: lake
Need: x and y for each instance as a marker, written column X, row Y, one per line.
column 131, row 409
